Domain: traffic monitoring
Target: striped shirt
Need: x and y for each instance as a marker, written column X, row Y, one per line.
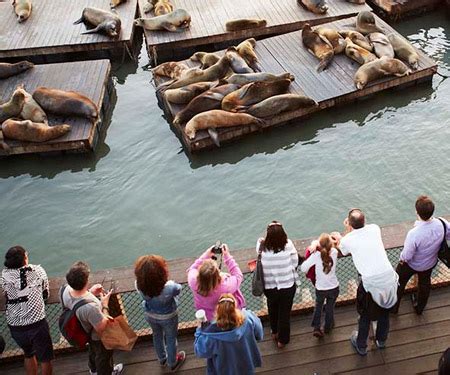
column 279, row 269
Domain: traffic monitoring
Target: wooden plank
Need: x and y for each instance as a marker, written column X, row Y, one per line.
column 396, row 9
column 87, row 77
column 50, row 29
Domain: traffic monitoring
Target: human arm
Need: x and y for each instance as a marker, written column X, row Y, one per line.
column 409, row 248
column 99, row 319
column 258, row 330
column 175, row 288
column 203, row 345
column 45, row 284
column 293, row 253
column 308, row 263
column 193, row 269
column 233, row 281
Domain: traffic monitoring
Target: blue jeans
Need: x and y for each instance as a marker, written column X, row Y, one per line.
column 165, row 334
column 330, row 296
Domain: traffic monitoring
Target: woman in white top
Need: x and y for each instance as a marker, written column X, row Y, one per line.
column 324, row 258
column 279, row 260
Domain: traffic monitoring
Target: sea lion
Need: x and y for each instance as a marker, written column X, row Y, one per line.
column 115, row 3
column 102, row 20
column 365, row 23
column 318, row 46
column 170, row 69
column 243, row 79
column 332, row 35
column 217, row 118
column 65, row 103
column 162, row 7
column 379, row 68
column 357, row 38
column 175, row 21
column 31, row 110
column 29, row 131
column 360, row 2
column 247, row 50
column 381, row 45
column 9, row 70
column 315, row 6
column 185, row 94
column 205, row 59
column 279, row 103
column 244, row 24
column 357, row 53
column 23, row 9
column 404, row 50
column 253, row 93
column 13, row 107
column 211, row 99
column 237, row 62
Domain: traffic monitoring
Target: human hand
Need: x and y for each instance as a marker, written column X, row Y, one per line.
column 314, row 246
column 225, row 250
column 104, row 298
column 96, row 289
column 208, row 253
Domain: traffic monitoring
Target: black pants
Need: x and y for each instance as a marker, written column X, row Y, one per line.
column 279, row 303
column 405, row 272
column 100, row 358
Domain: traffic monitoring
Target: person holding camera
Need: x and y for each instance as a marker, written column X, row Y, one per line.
column 208, row 283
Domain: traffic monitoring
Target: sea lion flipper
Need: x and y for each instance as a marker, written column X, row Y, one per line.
column 79, row 21
column 325, row 40
column 168, row 26
column 92, row 31
column 214, row 136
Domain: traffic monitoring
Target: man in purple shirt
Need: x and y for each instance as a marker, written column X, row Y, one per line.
column 420, row 253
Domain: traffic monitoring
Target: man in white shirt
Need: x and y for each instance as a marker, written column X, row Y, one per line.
column 377, row 290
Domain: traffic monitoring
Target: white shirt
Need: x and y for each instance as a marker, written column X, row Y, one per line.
column 367, row 250
column 324, row 281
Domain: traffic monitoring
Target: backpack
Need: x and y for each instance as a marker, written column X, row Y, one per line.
column 258, row 276
column 70, row 325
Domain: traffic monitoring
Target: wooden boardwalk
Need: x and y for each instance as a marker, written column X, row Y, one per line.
column 334, row 86
column 396, row 9
column 50, row 30
column 91, row 78
column 209, row 18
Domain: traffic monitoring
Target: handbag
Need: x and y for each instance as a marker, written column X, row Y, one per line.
column 118, row 335
column 444, row 250
column 258, row 277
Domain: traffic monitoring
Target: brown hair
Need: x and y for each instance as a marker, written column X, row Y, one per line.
column 326, row 244
column 424, row 207
column 78, row 275
column 356, row 218
column 276, row 238
column 151, row 274
column 208, row 277
column 227, row 315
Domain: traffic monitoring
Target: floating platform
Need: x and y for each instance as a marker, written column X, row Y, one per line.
column 397, row 9
column 50, row 31
column 334, row 86
column 90, row 78
column 209, row 18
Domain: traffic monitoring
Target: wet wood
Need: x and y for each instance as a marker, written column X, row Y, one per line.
column 396, row 9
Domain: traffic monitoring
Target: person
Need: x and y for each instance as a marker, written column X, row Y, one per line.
column 444, row 363
column 229, row 342
column 160, row 305
column 279, row 260
column 377, row 290
column 2, row 345
column 208, row 283
column 93, row 316
column 420, row 252
column 324, row 259
column 26, row 289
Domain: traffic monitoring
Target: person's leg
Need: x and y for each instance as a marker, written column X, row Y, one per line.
column 23, row 338
column 31, row 365
column 317, row 317
column 43, row 347
column 404, row 274
column 170, row 328
column 103, row 359
column 272, row 307
column 284, row 315
column 363, row 331
column 331, row 297
column 47, row 368
column 382, row 327
column 423, row 290
column 158, row 340
column 91, row 357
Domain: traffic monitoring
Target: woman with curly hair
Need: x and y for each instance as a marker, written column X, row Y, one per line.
column 160, row 305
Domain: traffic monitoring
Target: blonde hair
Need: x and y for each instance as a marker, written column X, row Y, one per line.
column 326, row 244
column 227, row 315
column 208, row 277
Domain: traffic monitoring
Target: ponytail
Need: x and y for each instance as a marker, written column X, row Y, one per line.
column 326, row 245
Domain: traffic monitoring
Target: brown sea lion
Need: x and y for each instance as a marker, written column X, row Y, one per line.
column 163, row 7
column 205, row 59
column 185, row 94
column 23, row 9
column 115, row 3
column 357, row 38
column 29, row 131
column 244, row 24
column 365, row 23
column 279, row 103
column 170, row 69
column 31, row 110
column 318, row 46
column 315, row 6
column 102, row 20
column 360, row 2
column 211, row 99
column 217, row 118
column 13, row 107
column 237, row 62
column 247, row 50
column 404, row 50
column 243, row 79
column 336, row 40
column 357, row 53
column 65, row 103
column 9, row 70
column 253, row 93
column 379, row 68
column 176, row 21
column 381, row 45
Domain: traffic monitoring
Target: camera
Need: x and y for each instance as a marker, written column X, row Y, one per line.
column 217, row 249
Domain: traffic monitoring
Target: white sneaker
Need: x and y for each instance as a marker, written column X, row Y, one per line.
column 117, row 369
column 92, row 373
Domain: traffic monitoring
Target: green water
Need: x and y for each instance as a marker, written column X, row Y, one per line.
column 141, row 193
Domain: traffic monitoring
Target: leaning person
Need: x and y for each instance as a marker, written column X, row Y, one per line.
column 160, row 305
column 420, row 252
column 279, row 260
column 26, row 290
column 377, row 290
column 93, row 316
column 208, row 283
column 229, row 342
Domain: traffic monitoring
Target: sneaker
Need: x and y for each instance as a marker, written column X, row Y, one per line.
column 414, row 303
column 181, row 357
column 360, row 351
column 281, row 345
column 117, row 370
column 380, row 344
column 318, row 333
column 163, row 363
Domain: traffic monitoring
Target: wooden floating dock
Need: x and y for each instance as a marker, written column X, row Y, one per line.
column 209, row 18
column 50, row 31
column 334, row 86
column 90, row 78
column 396, row 9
